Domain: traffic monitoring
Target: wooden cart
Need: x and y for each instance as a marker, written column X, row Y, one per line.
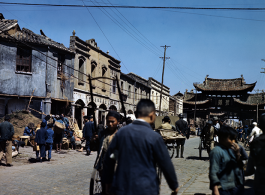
column 170, row 137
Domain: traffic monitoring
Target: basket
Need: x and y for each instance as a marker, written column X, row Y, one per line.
column 36, row 148
column 58, row 127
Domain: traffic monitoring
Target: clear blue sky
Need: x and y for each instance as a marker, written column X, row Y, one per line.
column 222, row 44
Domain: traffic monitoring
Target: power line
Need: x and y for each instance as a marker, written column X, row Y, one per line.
column 104, row 34
column 131, row 7
column 139, row 33
column 216, row 16
column 126, row 30
column 71, row 75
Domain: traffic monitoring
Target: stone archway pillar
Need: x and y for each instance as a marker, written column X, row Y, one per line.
column 73, row 111
column 84, row 113
column 105, row 118
column 96, row 115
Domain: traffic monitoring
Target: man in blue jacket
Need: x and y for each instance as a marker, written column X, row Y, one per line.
column 138, row 149
column 88, row 131
column 40, row 140
column 49, row 140
column 6, row 132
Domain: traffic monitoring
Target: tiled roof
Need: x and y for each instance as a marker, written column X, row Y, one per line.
column 6, row 25
column 251, row 99
column 27, row 35
column 197, row 102
column 237, row 84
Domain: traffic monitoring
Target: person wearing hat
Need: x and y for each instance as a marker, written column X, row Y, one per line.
column 166, row 125
column 183, row 129
column 216, row 124
column 6, row 132
column 58, row 137
column 88, row 131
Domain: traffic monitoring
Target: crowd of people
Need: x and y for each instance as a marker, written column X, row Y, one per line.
column 129, row 152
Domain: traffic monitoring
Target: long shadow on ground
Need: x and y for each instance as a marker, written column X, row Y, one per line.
column 197, row 158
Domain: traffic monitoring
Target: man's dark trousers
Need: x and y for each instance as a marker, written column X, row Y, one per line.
column 87, row 147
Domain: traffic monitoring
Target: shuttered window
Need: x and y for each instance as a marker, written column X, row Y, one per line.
column 23, row 62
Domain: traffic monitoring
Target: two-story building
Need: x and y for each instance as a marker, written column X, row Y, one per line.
column 176, row 104
column 33, row 65
column 155, row 96
column 133, row 88
column 90, row 60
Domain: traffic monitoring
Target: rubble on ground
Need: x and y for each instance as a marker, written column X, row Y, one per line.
column 21, row 119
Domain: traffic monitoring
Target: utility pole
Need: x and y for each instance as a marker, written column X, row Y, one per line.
column 164, row 60
column 257, row 105
column 195, row 108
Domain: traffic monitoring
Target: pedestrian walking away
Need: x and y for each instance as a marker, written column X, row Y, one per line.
column 6, row 132
column 138, row 149
column 88, row 131
column 182, row 128
column 49, row 140
column 40, row 140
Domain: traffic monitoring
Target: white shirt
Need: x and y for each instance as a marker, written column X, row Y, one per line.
column 256, row 132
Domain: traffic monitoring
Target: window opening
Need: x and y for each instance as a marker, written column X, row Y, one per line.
column 61, row 60
column 23, row 61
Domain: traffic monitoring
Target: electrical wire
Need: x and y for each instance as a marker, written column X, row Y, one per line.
column 71, row 75
column 104, row 35
column 131, row 7
column 257, row 20
column 126, row 30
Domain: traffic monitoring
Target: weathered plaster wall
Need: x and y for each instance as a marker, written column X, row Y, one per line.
column 14, row 83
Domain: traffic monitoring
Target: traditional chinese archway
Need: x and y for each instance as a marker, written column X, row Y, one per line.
column 224, row 98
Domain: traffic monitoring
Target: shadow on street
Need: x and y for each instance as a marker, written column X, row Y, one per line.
column 198, row 158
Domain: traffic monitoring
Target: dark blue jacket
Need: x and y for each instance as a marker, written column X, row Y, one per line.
column 6, row 131
column 50, row 134
column 27, row 132
column 41, row 136
column 139, row 149
column 182, row 128
column 88, row 129
column 45, row 123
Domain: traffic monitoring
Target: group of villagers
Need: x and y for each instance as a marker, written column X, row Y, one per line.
column 43, row 137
